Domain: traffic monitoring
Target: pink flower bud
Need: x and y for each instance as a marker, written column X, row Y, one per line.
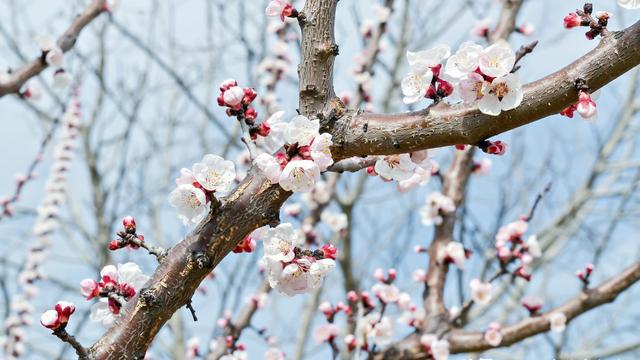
column 329, row 251
column 89, row 288
column 49, row 319
column 392, row 274
column 526, row 29
column 496, row 148
column 225, row 85
column 352, row 296
column 586, row 106
column 325, row 307
column 350, row 341
column 378, row 274
column 114, row 245
column 249, row 96
column 250, row 115
column 572, row 20
column 589, row 269
column 64, row 309
column 233, row 96
column 129, row 224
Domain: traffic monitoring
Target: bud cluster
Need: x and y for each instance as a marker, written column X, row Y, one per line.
column 127, row 238
column 511, row 246
column 585, row 274
column 497, row 147
column 238, row 101
column 585, row 17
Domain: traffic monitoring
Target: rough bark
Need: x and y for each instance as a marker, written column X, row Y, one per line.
column 256, row 202
column 443, row 124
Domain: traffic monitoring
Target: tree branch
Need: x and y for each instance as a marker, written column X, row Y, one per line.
column 462, row 341
column 443, row 124
column 65, row 42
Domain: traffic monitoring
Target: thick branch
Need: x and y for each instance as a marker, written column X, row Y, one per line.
column 318, row 53
column 253, row 204
column 65, row 42
column 443, row 124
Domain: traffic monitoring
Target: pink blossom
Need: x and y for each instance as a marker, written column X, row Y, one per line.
column 325, row 332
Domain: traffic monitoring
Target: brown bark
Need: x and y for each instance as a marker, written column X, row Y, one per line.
column 461, row 341
column 65, row 42
column 443, row 124
column 256, row 202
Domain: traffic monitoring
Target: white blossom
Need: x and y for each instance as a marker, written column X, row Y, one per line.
column 335, row 221
column 504, row 93
column 299, row 175
column 463, row 62
column 269, row 166
column 480, row 292
column 279, row 242
column 453, row 251
column 497, row 60
column 395, row 167
column 301, row 130
column 557, row 321
column 437, row 205
column 190, row 202
column 321, row 151
column 215, row 173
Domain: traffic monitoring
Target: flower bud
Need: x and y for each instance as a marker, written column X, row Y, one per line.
column 129, row 224
column 233, row 96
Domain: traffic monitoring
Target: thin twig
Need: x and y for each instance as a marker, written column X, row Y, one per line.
column 63, row 335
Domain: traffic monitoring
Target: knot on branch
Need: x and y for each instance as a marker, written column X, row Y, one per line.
column 581, row 84
column 148, row 297
column 201, row 260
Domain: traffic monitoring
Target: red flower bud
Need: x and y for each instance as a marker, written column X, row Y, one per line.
column 572, row 20
column 129, row 224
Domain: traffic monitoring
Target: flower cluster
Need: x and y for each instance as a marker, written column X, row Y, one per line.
column 59, row 316
column 335, row 221
column 197, row 187
column 437, row 205
column 53, row 56
column 47, row 221
column 281, row 8
column 424, row 80
column 510, row 246
column 237, row 102
column 116, row 286
column 453, row 253
column 584, row 17
column 291, row 269
column 306, row 153
column 129, row 237
column 485, row 76
column 479, row 75
column 585, row 274
column 585, row 106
